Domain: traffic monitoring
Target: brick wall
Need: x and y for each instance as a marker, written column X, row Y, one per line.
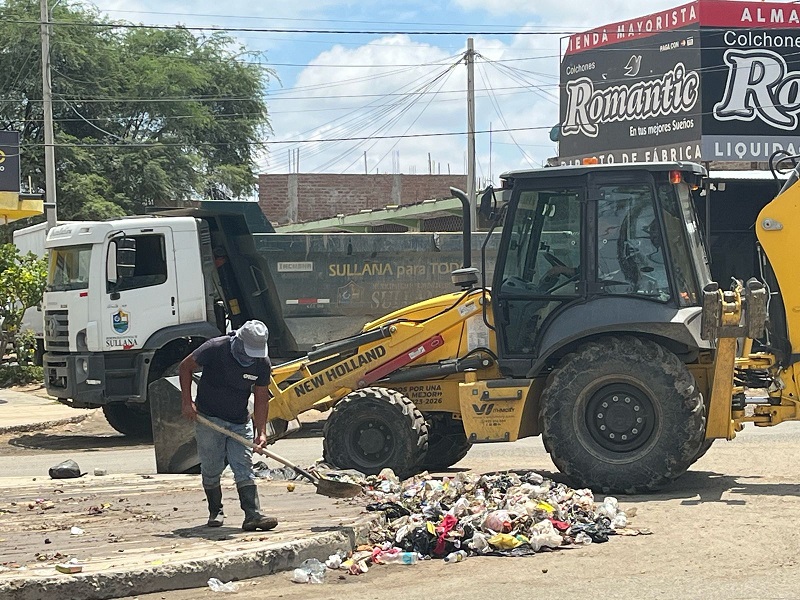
column 296, row 198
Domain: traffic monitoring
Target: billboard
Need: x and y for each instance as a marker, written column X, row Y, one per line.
column 751, row 79
column 9, row 161
column 709, row 80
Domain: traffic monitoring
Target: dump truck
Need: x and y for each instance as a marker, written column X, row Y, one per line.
column 601, row 331
column 127, row 299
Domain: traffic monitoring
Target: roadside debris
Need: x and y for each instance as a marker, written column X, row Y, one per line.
column 76, row 531
column 70, row 567
column 311, row 571
column 68, row 469
column 217, row 586
column 502, row 514
column 516, row 513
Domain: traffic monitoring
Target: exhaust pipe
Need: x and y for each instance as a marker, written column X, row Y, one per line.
column 466, row 233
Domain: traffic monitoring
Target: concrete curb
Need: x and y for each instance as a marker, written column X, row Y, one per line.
column 41, row 425
column 237, row 566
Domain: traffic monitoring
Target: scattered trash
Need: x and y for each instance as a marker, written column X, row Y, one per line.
column 100, row 472
column 311, row 571
column 300, row 576
column 334, row 561
column 41, row 503
column 68, row 469
column 400, row 558
column 217, row 586
column 290, row 486
column 455, row 557
column 502, row 514
column 263, row 471
column 76, row 531
column 70, row 567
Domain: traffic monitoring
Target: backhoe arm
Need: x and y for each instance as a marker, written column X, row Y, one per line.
column 334, row 370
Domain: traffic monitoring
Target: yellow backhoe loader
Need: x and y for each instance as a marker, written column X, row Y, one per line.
column 602, row 332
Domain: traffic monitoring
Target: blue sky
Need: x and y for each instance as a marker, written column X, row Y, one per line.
column 343, row 86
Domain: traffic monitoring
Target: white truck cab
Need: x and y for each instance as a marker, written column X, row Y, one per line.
column 117, row 291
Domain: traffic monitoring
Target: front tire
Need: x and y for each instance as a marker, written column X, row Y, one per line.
column 622, row 415
column 375, row 428
column 130, row 420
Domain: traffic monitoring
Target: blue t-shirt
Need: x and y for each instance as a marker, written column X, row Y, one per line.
column 225, row 385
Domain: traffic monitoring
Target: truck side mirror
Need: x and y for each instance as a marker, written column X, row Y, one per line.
column 487, row 204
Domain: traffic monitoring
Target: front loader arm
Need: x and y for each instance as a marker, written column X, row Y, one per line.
column 332, row 371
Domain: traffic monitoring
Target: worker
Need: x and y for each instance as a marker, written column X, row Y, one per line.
column 232, row 365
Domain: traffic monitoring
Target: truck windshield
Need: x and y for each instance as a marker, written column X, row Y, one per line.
column 69, row 268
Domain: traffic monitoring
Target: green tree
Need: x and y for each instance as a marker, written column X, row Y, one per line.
column 142, row 116
column 22, row 281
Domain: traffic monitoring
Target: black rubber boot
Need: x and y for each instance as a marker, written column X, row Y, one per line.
column 215, row 515
column 253, row 519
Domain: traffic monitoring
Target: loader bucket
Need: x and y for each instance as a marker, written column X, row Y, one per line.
column 173, row 435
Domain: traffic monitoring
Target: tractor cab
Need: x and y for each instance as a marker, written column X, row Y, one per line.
column 592, row 250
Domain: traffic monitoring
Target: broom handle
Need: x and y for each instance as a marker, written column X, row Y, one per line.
column 247, row 443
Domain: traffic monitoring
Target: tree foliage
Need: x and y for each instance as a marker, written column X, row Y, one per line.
column 142, row 116
column 22, row 281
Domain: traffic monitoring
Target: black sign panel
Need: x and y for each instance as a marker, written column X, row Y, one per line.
column 751, row 93
column 634, row 100
column 9, row 161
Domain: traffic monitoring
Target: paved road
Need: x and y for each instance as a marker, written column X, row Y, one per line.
column 726, row 530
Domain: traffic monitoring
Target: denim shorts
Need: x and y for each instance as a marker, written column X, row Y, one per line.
column 217, row 450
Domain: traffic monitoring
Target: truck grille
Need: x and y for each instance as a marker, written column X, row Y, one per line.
column 56, row 330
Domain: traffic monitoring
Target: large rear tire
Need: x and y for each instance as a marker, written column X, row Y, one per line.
column 375, row 428
column 130, row 420
column 447, row 442
column 622, row 415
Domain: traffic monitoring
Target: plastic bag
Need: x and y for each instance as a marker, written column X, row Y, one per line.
column 217, row 586
column 498, row 521
column 68, row 469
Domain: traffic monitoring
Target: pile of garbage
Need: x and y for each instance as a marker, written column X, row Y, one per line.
column 502, row 514
column 511, row 513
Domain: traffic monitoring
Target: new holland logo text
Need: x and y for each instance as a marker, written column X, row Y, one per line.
column 760, row 86
column 676, row 91
column 340, row 370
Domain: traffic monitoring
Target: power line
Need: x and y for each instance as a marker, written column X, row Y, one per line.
column 216, row 28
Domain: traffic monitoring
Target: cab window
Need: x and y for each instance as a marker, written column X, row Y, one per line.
column 630, row 257
column 136, row 262
column 545, row 251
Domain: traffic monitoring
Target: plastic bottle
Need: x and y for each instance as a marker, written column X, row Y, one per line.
column 455, row 557
column 402, row 558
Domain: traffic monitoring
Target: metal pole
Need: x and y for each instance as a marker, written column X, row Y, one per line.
column 470, row 58
column 47, row 102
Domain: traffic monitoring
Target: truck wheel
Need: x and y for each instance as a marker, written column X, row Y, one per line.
column 375, row 428
column 130, row 420
column 134, row 420
column 447, row 443
column 622, row 415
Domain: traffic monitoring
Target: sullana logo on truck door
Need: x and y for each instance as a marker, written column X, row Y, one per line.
column 120, row 321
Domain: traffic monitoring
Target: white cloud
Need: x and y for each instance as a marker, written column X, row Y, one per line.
column 362, row 97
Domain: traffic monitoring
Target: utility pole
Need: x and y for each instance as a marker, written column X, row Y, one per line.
column 47, row 102
column 470, row 58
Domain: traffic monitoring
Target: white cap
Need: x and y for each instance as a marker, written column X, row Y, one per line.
column 254, row 336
